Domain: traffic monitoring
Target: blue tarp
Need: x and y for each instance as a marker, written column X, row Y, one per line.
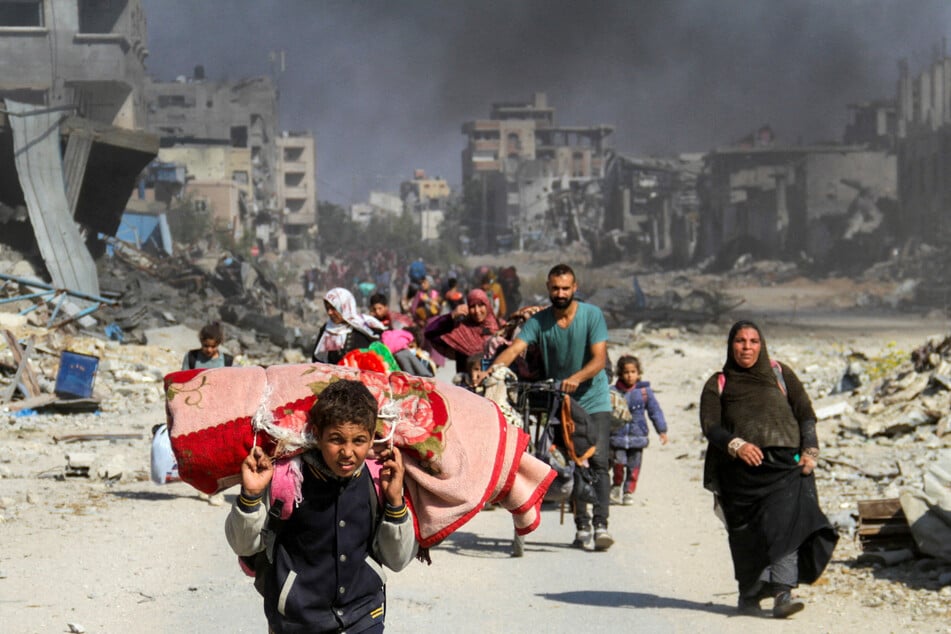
column 148, row 232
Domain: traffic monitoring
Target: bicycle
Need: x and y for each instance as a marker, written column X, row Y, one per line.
column 535, row 401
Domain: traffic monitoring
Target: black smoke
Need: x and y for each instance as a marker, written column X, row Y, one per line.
column 385, row 86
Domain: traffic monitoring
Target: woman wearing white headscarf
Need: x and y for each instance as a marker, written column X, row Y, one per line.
column 346, row 329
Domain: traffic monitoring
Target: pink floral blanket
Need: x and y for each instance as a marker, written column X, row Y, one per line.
column 459, row 451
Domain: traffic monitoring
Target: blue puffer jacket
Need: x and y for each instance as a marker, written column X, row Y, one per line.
column 633, row 435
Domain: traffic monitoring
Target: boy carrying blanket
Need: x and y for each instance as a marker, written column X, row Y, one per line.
column 326, row 560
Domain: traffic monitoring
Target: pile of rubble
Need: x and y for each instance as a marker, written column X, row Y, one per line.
column 148, row 294
column 885, row 431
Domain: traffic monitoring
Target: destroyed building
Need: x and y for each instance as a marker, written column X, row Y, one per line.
column 833, row 204
column 873, row 123
column 75, row 69
column 652, row 207
column 533, row 175
column 297, row 189
column 426, row 199
column 924, row 148
column 226, row 135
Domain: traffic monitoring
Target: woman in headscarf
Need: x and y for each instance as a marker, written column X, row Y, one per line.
column 464, row 331
column 762, row 451
column 345, row 330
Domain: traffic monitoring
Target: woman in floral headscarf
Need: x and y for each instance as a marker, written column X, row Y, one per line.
column 345, row 330
column 464, row 331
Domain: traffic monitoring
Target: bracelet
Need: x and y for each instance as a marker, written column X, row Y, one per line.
column 734, row 446
column 812, row 452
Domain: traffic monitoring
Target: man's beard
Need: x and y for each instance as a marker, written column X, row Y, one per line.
column 562, row 303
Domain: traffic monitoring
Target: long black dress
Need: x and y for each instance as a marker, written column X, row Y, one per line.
column 771, row 510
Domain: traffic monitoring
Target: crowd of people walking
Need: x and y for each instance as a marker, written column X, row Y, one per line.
column 755, row 413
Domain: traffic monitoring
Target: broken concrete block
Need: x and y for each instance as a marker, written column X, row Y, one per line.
column 292, row 355
column 112, row 468
column 833, row 409
column 132, row 376
column 943, row 426
column 80, row 460
column 885, row 557
column 910, row 389
column 78, row 464
column 12, row 320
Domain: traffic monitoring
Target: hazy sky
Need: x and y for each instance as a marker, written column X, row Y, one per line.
column 385, row 85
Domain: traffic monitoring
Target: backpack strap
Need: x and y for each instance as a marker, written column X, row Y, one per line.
column 568, row 429
column 376, row 490
column 644, row 396
column 285, row 495
column 778, row 371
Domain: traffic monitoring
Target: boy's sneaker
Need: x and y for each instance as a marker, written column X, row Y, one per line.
column 628, row 499
column 583, row 539
column 602, row 538
column 616, row 495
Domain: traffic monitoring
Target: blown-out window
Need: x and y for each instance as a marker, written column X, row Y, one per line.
column 21, row 13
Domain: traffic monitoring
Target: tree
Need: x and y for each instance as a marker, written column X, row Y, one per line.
column 336, row 231
column 190, row 220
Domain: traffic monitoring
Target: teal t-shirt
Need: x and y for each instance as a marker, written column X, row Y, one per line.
column 201, row 361
column 566, row 350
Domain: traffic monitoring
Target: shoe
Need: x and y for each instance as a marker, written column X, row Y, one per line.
column 749, row 606
column 785, row 604
column 602, row 539
column 616, row 495
column 583, row 539
column 628, row 499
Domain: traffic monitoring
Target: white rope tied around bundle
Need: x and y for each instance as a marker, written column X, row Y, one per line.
column 496, row 384
column 391, row 412
column 288, row 440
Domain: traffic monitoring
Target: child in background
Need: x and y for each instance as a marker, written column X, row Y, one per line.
column 472, row 378
column 208, row 356
column 326, row 573
column 628, row 442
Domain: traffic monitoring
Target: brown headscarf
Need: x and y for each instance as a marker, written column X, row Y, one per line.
column 752, row 404
column 467, row 336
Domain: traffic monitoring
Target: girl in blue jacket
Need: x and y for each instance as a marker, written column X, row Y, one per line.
column 628, row 441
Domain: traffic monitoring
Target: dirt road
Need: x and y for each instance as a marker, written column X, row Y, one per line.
column 136, row 557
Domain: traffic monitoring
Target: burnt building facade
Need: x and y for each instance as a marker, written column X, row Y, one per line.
column 71, row 146
column 924, row 149
column 787, row 201
column 527, row 168
column 652, row 206
column 196, row 112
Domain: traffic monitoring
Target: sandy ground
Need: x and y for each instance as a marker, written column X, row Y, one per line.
column 86, row 555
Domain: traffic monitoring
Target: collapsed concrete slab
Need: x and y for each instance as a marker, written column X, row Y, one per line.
column 89, row 184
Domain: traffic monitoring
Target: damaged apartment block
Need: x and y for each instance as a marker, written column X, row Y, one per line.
column 71, row 147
